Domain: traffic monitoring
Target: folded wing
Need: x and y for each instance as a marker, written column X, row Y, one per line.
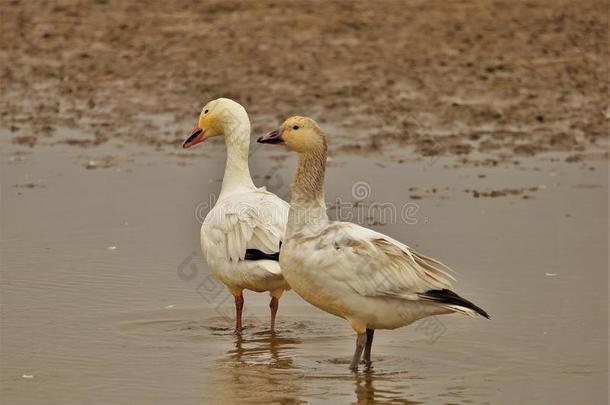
column 244, row 223
column 376, row 265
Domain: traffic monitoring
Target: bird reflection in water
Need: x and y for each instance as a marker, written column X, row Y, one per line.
column 259, row 368
column 265, row 349
column 367, row 393
column 265, row 368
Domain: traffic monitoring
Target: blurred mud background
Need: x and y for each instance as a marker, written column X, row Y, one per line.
column 448, row 78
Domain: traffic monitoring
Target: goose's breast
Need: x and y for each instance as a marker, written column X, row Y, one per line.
column 309, row 280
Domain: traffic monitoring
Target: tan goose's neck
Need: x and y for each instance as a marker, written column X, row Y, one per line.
column 308, row 208
column 309, row 178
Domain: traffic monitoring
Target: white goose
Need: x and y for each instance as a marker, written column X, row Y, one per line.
column 365, row 277
column 241, row 235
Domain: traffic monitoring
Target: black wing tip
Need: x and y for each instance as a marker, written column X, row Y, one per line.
column 447, row 296
column 255, row 254
column 482, row 312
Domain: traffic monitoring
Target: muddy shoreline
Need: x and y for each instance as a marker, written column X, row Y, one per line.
column 501, row 78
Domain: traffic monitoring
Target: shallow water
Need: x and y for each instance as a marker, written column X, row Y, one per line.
column 105, row 298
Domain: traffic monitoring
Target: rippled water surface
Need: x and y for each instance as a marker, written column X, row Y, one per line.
column 105, row 298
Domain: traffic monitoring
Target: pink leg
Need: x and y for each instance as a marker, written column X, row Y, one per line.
column 239, row 306
column 274, row 305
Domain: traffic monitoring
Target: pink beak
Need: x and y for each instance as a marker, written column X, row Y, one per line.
column 197, row 135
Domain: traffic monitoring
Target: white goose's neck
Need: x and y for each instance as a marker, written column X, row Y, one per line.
column 237, row 173
column 307, row 206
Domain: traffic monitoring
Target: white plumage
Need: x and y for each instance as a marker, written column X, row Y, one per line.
column 253, row 219
column 241, row 235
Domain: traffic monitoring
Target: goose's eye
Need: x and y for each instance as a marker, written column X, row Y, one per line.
column 295, row 127
column 205, row 112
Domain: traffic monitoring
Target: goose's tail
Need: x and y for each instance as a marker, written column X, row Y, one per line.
column 451, row 300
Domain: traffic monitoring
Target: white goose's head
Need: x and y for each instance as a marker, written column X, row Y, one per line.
column 299, row 134
column 220, row 117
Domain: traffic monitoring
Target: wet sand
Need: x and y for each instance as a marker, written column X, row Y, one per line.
column 105, row 298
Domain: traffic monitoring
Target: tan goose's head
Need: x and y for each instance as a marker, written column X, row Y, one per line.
column 299, row 134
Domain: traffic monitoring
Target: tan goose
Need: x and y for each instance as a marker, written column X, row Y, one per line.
column 363, row 276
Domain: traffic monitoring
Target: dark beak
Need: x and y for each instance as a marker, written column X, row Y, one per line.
column 274, row 137
column 196, row 136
